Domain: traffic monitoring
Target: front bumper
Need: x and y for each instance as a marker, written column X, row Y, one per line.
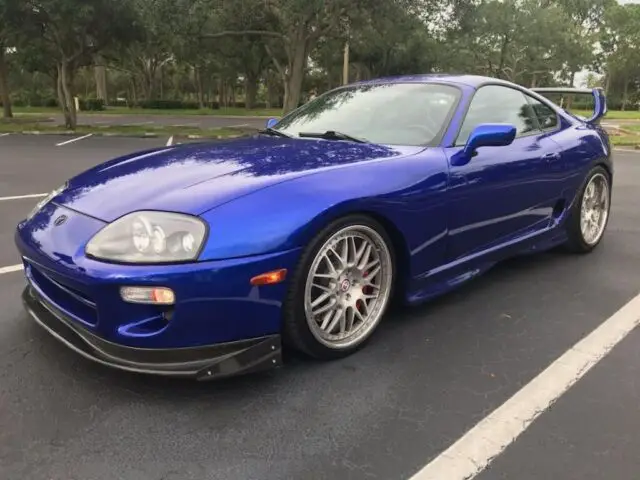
column 199, row 363
column 215, row 300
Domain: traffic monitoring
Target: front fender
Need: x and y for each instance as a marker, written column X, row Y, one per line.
column 408, row 192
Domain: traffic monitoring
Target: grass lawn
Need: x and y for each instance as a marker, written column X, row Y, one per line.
column 239, row 112
column 628, row 136
column 631, row 128
column 243, row 112
column 612, row 114
column 131, row 130
column 37, row 122
column 626, row 140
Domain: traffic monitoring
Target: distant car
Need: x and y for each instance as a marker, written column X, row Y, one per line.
column 203, row 260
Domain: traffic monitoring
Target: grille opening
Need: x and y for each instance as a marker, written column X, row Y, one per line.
column 64, row 296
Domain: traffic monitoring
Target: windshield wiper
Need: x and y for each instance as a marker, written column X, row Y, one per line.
column 332, row 135
column 274, row 132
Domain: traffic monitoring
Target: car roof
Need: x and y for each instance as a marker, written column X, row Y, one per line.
column 460, row 79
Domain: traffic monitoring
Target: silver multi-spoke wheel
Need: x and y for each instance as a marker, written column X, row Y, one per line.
column 594, row 209
column 348, row 287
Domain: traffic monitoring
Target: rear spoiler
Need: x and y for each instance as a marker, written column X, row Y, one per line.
column 599, row 99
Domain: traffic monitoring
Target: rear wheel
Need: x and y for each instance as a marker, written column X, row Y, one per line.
column 341, row 289
column 590, row 214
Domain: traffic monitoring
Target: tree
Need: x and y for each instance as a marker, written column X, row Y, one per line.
column 190, row 50
column 11, row 22
column 155, row 46
column 620, row 42
column 74, row 32
column 295, row 28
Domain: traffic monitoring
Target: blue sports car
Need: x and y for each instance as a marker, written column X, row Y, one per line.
column 204, row 260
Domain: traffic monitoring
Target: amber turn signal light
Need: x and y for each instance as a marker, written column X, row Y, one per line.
column 269, row 278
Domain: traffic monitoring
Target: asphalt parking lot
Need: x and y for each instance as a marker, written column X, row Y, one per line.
column 429, row 375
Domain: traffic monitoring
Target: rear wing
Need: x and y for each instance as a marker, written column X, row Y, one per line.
column 599, row 99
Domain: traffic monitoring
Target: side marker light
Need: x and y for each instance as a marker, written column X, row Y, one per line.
column 269, row 278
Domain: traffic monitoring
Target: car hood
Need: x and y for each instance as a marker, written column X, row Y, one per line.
column 194, row 178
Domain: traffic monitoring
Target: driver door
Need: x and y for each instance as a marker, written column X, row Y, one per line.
column 501, row 194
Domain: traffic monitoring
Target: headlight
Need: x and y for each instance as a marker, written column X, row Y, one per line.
column 149, row 237
column 46, row 200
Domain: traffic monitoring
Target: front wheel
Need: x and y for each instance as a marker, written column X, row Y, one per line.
column 341, row 288
column 590, row 214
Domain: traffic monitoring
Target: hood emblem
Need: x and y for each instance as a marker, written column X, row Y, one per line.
column 60, row 220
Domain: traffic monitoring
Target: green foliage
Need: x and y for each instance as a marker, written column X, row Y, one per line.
column 197, row 54
column 92, row 105
column 167, row 105
column 620, row 43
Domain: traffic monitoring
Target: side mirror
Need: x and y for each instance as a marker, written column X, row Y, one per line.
column 271, row 122
column 489, row 135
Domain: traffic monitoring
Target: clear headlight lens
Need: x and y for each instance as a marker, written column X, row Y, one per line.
column 46, row 200
column 149, row 237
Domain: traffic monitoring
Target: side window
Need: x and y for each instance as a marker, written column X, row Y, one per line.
column 498, row 104
column 547, row 118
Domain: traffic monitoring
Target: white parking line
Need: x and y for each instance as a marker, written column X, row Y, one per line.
column 20, row 197
column 170, row 141
column 477, row 448
column 4, row 135
column 11, row 268
column 238, row 126
column 73, row 140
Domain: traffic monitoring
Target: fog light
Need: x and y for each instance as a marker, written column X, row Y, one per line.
column 148, row 295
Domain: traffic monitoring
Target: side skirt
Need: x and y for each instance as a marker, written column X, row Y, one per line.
column 445, row 278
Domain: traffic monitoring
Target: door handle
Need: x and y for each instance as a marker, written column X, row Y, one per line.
column 550, row 157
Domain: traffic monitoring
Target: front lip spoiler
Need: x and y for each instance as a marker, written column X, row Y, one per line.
column 199, row 363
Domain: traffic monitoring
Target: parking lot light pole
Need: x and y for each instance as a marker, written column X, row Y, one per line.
column 345, row 58
column 345, row 66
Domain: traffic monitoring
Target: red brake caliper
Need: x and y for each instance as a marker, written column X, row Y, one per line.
column 366, row 290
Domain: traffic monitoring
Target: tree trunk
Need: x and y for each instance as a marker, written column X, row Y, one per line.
column 221, row 93
column 295, row 76
column 273, row 93
column 285, row 102
column 232, row 93
column 149, row 71
column 62, row 101
column 198, row 77
column 65, row 90
column 625, row 94
column 269, row 85
column 4, row 85
column 134, row 91
column 250, row 91
column 503, row 56
column 100, row 74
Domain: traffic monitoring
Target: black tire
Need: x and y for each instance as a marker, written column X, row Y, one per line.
column 296, row 331
column 575, row 241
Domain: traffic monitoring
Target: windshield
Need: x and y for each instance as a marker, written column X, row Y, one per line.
column 410, row 114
